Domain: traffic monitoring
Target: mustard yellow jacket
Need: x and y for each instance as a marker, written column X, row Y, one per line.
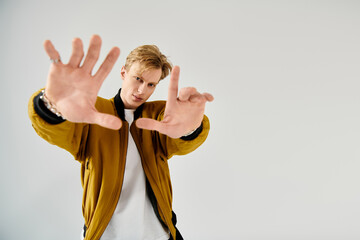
column 102, row 154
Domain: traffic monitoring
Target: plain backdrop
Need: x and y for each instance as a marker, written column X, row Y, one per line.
column 282, row 157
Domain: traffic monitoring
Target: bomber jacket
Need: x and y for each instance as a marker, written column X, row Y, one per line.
column 102, row 155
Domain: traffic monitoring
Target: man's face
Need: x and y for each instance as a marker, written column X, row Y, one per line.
column 137, row 87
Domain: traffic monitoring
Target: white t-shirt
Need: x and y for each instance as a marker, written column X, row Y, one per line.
column 134, row 217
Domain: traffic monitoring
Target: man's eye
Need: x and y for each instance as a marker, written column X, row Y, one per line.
column 139, row 79
column 152, row 85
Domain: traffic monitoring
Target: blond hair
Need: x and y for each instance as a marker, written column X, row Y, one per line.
column 149, row 57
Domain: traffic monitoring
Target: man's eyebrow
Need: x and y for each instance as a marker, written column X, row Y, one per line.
column 153, row 83
column 141, row 77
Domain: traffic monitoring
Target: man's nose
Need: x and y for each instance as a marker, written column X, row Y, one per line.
column 141, row 88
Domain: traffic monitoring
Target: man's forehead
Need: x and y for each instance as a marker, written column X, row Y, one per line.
column 137, row 66
column 140, row 68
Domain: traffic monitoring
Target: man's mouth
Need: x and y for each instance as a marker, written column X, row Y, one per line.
column 137, row 98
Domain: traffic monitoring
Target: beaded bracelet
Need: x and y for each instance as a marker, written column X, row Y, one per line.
column 49, row 105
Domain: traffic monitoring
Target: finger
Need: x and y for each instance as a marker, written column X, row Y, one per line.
column 51, row 51
column 92, row 54
column 106, row 120
column 173, row 85
column 196, row 98
column 108, row 64
column 150, row 124
column 208, row 97
column 77, row 53
column 185, row 93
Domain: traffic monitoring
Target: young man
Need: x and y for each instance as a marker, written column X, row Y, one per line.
column 123, row 143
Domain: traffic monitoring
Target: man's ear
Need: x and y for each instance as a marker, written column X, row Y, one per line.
column 123, row 72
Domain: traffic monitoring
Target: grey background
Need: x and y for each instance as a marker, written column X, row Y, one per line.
column 282, row 157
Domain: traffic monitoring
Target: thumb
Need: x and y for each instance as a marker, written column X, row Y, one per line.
column 107, row 121
column 150, row 124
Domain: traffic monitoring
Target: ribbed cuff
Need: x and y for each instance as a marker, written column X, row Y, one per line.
column 194, row 134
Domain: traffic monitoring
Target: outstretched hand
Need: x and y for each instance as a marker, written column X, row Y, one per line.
column 183, row 113
column 73, row 89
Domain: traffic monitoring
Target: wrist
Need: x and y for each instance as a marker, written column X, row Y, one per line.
column 193, row 134
column 189, row 133
column 49, row 105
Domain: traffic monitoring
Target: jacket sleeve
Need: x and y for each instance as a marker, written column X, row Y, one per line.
column 67, row 135
column 184, row 145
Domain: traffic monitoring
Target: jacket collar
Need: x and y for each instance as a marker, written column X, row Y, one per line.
column 119, row 105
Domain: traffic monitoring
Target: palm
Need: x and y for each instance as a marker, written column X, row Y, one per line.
column 73, row 88
column 183, row 112
column 74, row 94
